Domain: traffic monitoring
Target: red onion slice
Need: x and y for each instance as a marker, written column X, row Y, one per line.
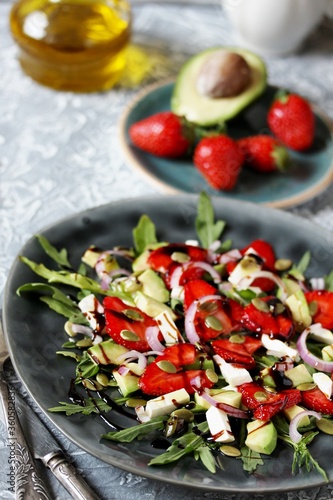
column 248, row 280
column 293, row 432
column 231, row 256
column 123, row 370
column 209, row 269
column 308, row 357
column 83, row 329
column 152, row 338
column 176, row 275
column 131, row 356
column 190, row 330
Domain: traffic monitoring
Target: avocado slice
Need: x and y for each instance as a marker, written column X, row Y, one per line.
column 207, row 111
column 261, row 436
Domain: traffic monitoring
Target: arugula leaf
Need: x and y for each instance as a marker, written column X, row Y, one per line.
column 303, row 264
column 207, row 230
column 86, row 368
column 70, row 354
column 60, row 257
column 207, row 458
column 56, row 300
column 144, row 234
column 138, row 431
column 302, row 456
column 186, row 444
column 87, row 409
column 329, row 281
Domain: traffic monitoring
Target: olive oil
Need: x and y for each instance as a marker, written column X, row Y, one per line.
column 77, row 45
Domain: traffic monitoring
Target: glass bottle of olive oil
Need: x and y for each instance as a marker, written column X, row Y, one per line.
column 77, row 45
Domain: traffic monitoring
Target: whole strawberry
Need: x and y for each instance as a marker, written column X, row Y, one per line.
column 163, row 134
column 292, row 120
column 264, row 153
column 219, row 160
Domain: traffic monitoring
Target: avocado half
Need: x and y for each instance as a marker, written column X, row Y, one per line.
column 207, row 111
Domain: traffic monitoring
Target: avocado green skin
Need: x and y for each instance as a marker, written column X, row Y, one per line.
column 206, row 111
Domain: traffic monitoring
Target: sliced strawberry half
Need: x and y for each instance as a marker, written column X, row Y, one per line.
column 255, row 320
column 265, row 252
column 157, row 381
column 265, row 404
column 238, row 353
column 316, row 400
column 194, row 290
column 161, row 259
column 324, row 302
column 122, row 320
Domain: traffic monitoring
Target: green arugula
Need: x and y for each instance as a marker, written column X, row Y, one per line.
column 329, row 281
column 302, row 456
column 60, row 257
column 207, row 229
column 137, row 431
column 86, row 368
column 90, row 406
column 251, row 459
column 144, row 234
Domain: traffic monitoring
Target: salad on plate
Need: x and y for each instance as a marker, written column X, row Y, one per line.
column 201, row 348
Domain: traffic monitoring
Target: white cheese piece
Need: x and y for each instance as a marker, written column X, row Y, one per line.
column 232, row 374
column 321, row 334
column 92, row 309
column 219, row 425
column 280, row 348
column 163, row 405
column 142, row 414
column 168, row 328
column 324, row 383
column 193, row 243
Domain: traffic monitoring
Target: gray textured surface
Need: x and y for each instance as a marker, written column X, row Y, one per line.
column 59, row 154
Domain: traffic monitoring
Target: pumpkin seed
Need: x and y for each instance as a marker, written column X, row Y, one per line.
column 260, row 305
column 171, row 426
column 249, row 263
column 313, row 307
column 230, row 451
column 102, row 379
column 180, row 257
column 183, row 414
column 306, row 386
column 211, row 375
column 87, row 342
column 131, row 314
column 260, row 396
column 209, row 306
column 214, row 323
column 283, row 264
column 237, row 339
column 279, row 308
column 128, row 335
column 166, row 366
column 268, row 388
column 134, row 402
column 325, row 425
column 91, row 385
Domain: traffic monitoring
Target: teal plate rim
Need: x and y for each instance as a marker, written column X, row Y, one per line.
column 310, row 173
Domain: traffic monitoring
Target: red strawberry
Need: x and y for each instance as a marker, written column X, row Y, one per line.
column 277, row 325
column 156, row 382
column 265, row 404
column 265, row 252
column 264, row 153
column 237, row 353
column 120, row 317
column 292, row 120
column 163, row 134
column 161, row 259
column 317, row 401
column 324, row 302
column 219, row 160
column 196, row 289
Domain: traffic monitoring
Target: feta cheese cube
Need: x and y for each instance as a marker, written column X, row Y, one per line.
column 324, row 383
column 279, row 348
column 92, row 310
column 168, row 328
column 232, row 374
column 219, row 425
column 163, row 405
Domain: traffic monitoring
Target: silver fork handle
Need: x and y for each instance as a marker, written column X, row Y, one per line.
column 23, row 476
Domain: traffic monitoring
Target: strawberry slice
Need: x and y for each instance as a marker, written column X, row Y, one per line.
column 277, row 325
column 324, row 302
column 161, row 259
column 265, row 404
column 265, row 252
column 316, row 400
column 196, row 289
column 238, row 353
column 124, row 323
column 155, row 381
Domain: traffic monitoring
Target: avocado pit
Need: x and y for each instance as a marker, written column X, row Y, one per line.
column 223, row 74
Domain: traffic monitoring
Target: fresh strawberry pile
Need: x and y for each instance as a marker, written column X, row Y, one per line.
column 221, row 158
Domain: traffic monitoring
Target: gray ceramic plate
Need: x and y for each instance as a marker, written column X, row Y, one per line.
column 311, row 172
column 34, row 333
